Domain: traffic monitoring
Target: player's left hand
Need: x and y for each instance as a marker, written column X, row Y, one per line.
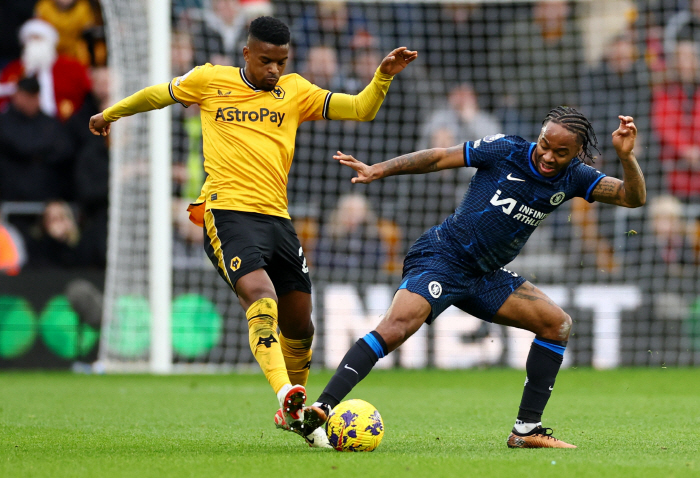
column 624, row 136
column 397, row 60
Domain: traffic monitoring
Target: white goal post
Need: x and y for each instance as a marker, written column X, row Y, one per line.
column 126, row 21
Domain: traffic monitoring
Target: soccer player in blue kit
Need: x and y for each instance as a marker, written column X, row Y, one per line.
column 460, row 262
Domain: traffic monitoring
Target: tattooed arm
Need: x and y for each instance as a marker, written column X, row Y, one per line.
column 419, row 162
column 631, row 191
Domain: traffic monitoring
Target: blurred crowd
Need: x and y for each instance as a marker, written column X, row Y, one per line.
column 482, row 69
column 53, row 173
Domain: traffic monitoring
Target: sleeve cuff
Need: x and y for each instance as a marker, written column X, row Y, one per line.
column 592, row 187
column 108, row 116
column 382, row 76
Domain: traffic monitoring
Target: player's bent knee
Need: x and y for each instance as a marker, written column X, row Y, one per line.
column 297, row 328
column 557, row 328
column 565, row 327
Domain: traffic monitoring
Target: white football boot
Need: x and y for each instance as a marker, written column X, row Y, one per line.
column 318, row 438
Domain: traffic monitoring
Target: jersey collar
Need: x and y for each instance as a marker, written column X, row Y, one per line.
column 245, row 80
column 535, row 172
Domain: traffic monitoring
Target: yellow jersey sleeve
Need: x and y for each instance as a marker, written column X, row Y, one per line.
column 312, row 100
column 150, row 98
column 188, row 89
column 361, row 107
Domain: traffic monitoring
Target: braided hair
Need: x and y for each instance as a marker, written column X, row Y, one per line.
column 577, row 123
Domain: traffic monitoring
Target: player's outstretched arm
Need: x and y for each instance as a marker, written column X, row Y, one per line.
column 632, row 190
column 365, row 105
column 150, row 98
column 419, row 162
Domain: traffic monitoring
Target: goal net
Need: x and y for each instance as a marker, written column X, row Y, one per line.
column 628, row 277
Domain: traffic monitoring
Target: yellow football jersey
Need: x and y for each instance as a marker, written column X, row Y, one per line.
column 248, row 135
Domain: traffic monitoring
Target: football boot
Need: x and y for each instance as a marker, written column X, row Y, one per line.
column 293, row 406
column 538, row 437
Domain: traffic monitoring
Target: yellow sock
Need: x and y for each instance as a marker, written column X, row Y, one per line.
column 297, row 356
column 264, row 342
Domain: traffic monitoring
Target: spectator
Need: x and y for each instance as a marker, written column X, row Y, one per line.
column 12, row 17
column 672, row 245
column 54, row 241
column 96, row 37
column 64, row 81
column 220, row 33
column 620, row 84
column 57, row 241
column 676, row 121
column 683, row 25
column 358, row 72
column 91, row 171
column 350, row 244
column 91, row 168
column 181, row 7
column 188, row 161
column 182, row 52
column 322, row 68
column 467, row 36
column 662, row 259
column 364, row 64
column 460, row 119
column 648, row 30
column 665, row 245
column 35, row 153
column 71, row 19
column 538, row 61
column 335, row 24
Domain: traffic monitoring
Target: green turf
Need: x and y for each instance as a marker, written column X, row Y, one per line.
column 625, row 422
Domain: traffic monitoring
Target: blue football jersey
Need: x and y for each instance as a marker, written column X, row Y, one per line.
column 506, row 200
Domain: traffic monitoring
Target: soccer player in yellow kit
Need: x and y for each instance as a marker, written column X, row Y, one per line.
column 249, row 118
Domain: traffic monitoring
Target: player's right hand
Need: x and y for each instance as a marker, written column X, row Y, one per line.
column 99, row 126
column 364, row 172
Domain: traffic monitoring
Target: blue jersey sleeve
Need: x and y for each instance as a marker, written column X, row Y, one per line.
column 484, row 153
column 586, row 179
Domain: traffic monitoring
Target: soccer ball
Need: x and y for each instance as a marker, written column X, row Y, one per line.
column 355, row 425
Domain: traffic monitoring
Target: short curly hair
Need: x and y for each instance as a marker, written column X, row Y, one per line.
column 269, row 30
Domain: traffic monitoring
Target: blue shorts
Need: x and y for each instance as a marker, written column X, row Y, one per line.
column 443, row 283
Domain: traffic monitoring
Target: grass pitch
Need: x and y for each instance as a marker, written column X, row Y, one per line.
column 626, row 423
